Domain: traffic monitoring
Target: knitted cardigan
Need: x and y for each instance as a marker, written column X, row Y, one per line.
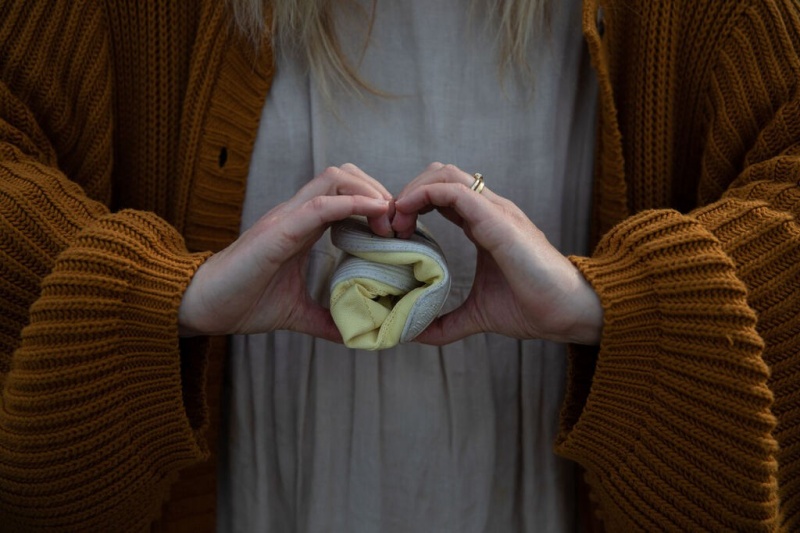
column 126, row 130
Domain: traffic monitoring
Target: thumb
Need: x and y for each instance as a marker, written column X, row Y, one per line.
column 317, row 321
column 448, row 328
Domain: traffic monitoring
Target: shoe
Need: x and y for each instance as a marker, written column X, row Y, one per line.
column 386, row 290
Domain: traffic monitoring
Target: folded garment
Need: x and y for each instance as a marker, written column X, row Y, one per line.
column 385, row 290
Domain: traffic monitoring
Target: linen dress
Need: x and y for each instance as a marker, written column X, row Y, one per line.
column 458, row 438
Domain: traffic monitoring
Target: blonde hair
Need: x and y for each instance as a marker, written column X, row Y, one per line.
column 308, row 26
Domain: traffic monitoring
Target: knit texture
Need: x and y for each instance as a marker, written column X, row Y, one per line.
column 125, row 134
column 100, row 409
column 688, row 416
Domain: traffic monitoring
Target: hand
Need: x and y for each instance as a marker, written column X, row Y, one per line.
column 523, row 286
column 257, row 284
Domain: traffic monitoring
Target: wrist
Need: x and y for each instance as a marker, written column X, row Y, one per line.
column 588, row 326
column 189, row 325
column 581, row 313
column 185, row 326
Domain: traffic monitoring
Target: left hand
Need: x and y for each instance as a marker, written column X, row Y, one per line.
column 258, row 283
column 523, row 287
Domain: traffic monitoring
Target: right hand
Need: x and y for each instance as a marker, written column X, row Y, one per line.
column 523, row 286
column 257, row 284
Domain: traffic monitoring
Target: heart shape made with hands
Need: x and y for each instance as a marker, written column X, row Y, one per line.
column 385, row 290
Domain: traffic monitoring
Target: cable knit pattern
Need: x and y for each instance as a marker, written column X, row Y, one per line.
column 688, row 417
column 679, row 396
column 94, row 422
column 125, row 134
column 89, row 431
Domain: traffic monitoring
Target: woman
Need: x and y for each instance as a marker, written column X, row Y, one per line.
column 694, row 204
column 458, row 438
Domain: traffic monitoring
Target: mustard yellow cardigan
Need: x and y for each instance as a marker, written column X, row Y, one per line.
column 125, row 134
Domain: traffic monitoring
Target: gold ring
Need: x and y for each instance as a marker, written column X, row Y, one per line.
column 478, row 184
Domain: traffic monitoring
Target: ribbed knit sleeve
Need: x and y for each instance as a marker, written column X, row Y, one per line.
column 688, row 416
column 94, row 420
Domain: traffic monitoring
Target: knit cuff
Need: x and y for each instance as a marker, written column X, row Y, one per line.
column 94, row 406
column 672, row 413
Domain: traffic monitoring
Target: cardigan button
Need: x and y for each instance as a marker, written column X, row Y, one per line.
column 223, row 157
column 600, row 21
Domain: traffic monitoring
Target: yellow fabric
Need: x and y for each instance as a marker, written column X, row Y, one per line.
column 372, row 315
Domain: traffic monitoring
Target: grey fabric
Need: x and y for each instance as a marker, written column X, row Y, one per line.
column 353, row 236
column 418, row 438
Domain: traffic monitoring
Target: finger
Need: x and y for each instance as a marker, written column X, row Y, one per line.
column 439, row 173
column 382, row 225
column 451, row 215
column 448, row 328
column 427, row 175
column 356, row 171
column 436, row 173
column 470, row 206
column 334, row 181
column 379, row 225
column 348, row 180
column 306, row 222
column 316, row 321
column 406, row 223
column 322, row 210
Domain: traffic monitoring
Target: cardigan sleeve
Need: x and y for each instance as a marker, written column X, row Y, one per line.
column 688, row 414
column 95, row 419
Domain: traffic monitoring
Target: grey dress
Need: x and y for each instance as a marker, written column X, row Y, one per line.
column 321, row 438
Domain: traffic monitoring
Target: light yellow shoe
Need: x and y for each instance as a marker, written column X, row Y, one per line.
column 385, row 290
